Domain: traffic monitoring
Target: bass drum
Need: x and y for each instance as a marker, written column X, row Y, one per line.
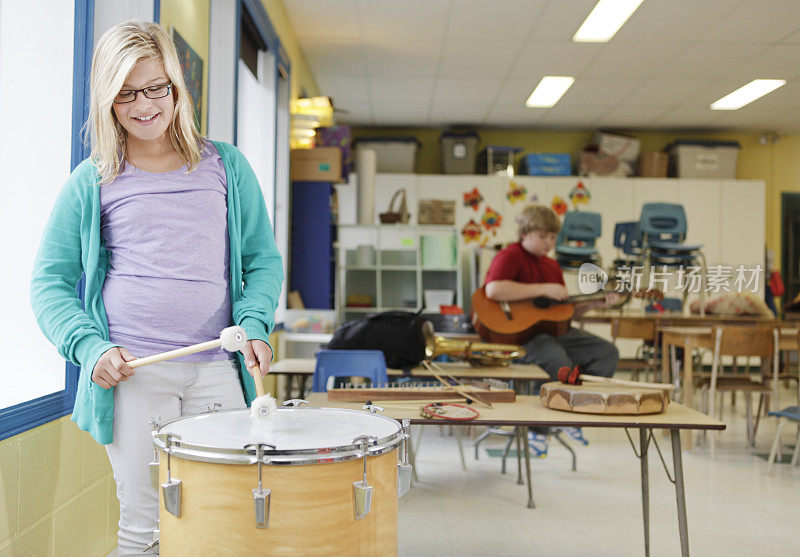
column 294, row 485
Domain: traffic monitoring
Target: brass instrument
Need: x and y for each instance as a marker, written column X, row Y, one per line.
column 476, row 353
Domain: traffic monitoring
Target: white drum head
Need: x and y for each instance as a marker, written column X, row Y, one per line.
column 292, row 429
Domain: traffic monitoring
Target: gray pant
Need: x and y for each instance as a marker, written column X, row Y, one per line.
column 592, row 354
column 169, row 390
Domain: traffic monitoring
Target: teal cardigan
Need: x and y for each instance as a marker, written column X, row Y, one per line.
column 71, row 245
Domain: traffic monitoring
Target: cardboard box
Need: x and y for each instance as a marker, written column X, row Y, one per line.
column 436, row 211
column 337, row 136
column 322, row 164
column 653, row 164
column 621, row 146
column 594, row 163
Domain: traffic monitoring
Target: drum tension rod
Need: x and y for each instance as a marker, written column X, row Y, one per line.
column 261, row 496
column 171, row 489
column 404, row 468
column 154, row 422
column 362, row 491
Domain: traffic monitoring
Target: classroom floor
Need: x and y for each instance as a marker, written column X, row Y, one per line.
column 733, row 506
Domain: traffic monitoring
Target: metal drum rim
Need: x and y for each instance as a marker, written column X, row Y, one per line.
column 299, row 457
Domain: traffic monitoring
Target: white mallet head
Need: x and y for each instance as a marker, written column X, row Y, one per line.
column 233, row 338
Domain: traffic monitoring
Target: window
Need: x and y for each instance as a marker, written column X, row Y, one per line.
column 39, row 144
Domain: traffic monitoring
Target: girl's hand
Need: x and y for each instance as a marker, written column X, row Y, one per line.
column 257, row 356
column 112, row 368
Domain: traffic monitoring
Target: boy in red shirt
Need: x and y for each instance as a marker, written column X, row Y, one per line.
column 521, row 271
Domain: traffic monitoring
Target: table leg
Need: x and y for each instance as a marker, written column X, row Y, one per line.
column 666, row 377
column 644, row 441
column 688, row 388
column 522, row 433
column 677, row 464
column 520, row 441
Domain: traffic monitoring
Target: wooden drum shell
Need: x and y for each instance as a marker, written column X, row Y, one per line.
column 311, row 509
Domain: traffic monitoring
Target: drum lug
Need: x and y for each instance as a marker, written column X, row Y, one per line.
column 153, row 466
column 295, row 402
column 404, row 468
column 373, row 408
column 153, row 544
column 362, row 491
column 261, row 496
column 171, row 489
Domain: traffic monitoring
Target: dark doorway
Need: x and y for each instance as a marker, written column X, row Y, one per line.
column 790, row 240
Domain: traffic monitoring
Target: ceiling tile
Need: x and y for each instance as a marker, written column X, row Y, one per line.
column 687, row 117
column 408, row 19
column 779, row 62
column 560, row 19
column 559, row 117
column 516, row 91
column 465, row 90
column 706, row 60
column 401, row 58
column 587, row 92
column 757, row 20
column 664, row 92
column 401, row 114
column 507, row 19
column 401, row 89
column 453, row 113
column 344, row 88
column 331, row 57
column 643, row 59
column 629, row 117
column 540, row 58
column 323, row 18
column 478, row 58
column 674, row 20
column 514, row 115
column 750, row 116
column 350, row 112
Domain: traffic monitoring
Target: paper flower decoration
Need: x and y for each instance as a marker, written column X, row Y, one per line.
column 559, row 205
column 515, row 192
column 579, row 195
column 491, row 219
column 471, row 232
column 472, row 199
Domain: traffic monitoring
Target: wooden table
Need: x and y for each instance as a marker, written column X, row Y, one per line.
column 678, row 319
column 527, row 411
column 514, row 372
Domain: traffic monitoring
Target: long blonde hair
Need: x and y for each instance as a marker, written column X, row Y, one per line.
column 117, row 52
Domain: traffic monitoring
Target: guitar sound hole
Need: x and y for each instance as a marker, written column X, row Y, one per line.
column 542, row 302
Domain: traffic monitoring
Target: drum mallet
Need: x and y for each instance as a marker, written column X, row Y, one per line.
column 575, row 377
column 232, row 339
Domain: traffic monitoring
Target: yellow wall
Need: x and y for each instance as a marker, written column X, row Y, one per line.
column 778, row 164
column 301, row 79
column 57, row 494
column 190, row 18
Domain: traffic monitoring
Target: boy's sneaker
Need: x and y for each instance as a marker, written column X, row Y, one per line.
column 538, row 444
column 576, row 434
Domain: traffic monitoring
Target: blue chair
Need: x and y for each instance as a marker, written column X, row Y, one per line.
column 786, row 416
column 348, row 363
column 628, row 243
column 575, row 244
column 663, row 228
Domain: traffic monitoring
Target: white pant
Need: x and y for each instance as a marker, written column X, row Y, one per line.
column 168, row 390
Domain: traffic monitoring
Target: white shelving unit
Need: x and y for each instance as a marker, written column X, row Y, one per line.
column 393, row 265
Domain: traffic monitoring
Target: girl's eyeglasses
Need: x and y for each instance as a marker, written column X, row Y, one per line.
column 152, row 92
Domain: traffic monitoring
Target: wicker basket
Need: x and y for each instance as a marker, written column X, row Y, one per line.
column 397, row 211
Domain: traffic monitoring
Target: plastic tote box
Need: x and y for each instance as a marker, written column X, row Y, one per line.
column 459, row 152
column 546, row 164
column 496, row 160
column 703, row 159
column 393, row 154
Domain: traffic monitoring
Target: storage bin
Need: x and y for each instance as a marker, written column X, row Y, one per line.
column 459, row 152
column 545, row 164
column 495, row 160
column 393, row 154
column 703, row 159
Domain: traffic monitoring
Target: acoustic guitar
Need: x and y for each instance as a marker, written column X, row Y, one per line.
column 519, row 321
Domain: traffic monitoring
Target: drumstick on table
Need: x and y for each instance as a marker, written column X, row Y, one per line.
column 574, row 377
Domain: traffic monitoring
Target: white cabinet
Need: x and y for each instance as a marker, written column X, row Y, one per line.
column 392, row 267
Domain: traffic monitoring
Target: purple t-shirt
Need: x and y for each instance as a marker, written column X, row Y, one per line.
column 167, row 238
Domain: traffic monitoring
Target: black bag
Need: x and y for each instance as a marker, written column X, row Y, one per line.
column 399, row 335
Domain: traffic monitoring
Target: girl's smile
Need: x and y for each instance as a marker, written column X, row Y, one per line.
column 146, row 120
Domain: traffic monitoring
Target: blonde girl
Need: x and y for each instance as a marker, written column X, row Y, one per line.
column 172, row 235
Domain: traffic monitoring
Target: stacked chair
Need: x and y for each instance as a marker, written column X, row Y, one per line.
column 575, row 244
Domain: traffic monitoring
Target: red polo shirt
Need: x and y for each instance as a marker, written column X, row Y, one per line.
column 514, row 263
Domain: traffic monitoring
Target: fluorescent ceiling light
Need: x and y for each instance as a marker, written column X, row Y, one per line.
column 549, row 91
column 605, row 20
column 747, row 94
